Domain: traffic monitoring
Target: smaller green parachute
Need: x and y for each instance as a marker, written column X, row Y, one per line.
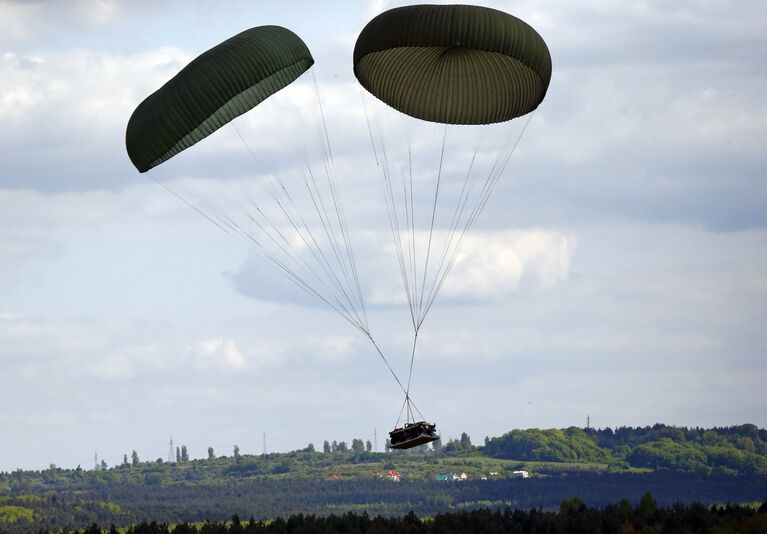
column 453, row 64
column 215, row 88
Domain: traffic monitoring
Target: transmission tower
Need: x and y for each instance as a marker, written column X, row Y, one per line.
column 375, row 440
column 264, row 449
column 96, row 461
column 171, row 451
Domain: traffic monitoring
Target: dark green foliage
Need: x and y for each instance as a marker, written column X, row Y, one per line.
column 553, row 445
column 267, row 497
column 737, row 449
column 573, row 517
column 710, row 466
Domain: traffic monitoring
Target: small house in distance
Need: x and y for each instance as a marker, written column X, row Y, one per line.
column 451, row 476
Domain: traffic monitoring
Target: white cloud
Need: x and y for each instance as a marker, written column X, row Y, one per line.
column 66, row 113
column 494, row 264
column 220, row 353
column 490, row 265
column 31, row 20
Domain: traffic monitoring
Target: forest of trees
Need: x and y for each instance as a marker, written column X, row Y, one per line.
column 572, row 517
column 268, row 498
column 736, row 449
column 676, row 464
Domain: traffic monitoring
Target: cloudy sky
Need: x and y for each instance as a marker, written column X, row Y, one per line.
column 619, row 269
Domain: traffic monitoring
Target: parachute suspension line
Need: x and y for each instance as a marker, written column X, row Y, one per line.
column 314, row 247
column 492, row 179
column 394, row 223
column 319, row 206
column 339, row 208
column 396, row 229
column 431, row 230
column 391, row 209
column 201, row 161
column 463, row 197
column 411, row 248
column 381, row 159
column 407, row 397
column 295, row 257
column 443, row 268
column 412, row 359
column 304, row 232
column 342, row 306
column 255, row 246
column 185, row 201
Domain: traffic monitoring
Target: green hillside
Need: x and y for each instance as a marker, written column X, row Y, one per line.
column 676, row 464
column 729, row 450
column 735, row 449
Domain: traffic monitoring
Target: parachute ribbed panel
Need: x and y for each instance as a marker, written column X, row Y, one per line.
column 216, row 87
column 454, row 64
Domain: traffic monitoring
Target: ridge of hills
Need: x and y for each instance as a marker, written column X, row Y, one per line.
column 675, row 464
column 740, row 449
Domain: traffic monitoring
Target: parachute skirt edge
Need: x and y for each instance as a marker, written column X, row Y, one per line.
column 236, row 106
column 217, row 86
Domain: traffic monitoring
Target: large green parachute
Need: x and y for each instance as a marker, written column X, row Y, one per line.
column 454, row 64
column 216, row 87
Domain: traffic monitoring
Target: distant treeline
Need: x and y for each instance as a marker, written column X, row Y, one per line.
column 735, row 449
column 600, row 466
column 573, row 517
column 266, row 498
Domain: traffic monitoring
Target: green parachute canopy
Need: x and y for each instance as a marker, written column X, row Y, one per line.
column 216, row 87
column 453, row 64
